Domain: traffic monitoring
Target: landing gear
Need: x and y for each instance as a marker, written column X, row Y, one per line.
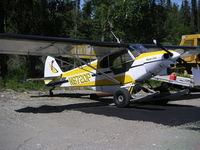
column 161, row 99
column 122, row 98
column 51, row 91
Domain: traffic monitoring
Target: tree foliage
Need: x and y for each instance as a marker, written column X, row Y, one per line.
column 131, row 20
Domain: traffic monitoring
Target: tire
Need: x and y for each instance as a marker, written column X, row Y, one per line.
column 122, row 98
column 50, row 93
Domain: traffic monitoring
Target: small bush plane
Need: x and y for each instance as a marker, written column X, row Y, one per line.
column 116, row 68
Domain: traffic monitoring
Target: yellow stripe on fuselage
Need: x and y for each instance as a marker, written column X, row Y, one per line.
column 151, row 54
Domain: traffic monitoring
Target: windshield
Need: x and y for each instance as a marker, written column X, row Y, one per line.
column 138, row 49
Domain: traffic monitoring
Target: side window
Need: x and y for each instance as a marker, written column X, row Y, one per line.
column 117, row 63
column 121, row 63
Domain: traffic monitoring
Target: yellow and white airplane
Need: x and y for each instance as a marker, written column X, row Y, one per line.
column 117, row 69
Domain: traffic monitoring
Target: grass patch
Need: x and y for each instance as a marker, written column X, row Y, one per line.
column 153, row 83
column 21, row 86
column 183, row 75
column 17, row 73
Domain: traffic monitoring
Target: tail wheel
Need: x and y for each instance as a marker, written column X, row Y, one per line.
column 122, row 98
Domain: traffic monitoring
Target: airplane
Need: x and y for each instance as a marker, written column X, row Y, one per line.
column 118, row 69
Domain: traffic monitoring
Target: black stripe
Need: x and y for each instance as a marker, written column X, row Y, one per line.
column 145, row 63
column 106, row 72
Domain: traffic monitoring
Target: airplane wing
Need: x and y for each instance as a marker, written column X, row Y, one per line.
column 189, row 53
column 185, row 51
column 55, row 46
column 58, row 46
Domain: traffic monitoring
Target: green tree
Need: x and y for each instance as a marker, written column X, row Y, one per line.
column 194, row 13
column 177, row 24
column 198, row 17
column 86, row 26
column 185, row 13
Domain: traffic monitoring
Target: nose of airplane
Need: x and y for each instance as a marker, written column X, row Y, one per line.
column 170, row 60
column 175, row 56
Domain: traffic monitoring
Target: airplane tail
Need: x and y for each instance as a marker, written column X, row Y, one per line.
column 51, row 69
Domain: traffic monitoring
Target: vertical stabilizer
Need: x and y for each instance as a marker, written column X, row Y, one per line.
column 51, row 68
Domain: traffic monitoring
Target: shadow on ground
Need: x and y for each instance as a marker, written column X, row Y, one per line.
column 189, row 96
column 171, row 114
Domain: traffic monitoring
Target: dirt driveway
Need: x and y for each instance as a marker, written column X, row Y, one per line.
column 32, row 120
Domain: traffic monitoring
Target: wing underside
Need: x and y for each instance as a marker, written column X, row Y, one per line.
column 55, row 46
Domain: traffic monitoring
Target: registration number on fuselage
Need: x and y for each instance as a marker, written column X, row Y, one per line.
column 83, row 78
column 151, row 58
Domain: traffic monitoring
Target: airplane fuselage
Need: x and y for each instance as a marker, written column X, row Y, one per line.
column 141, row 68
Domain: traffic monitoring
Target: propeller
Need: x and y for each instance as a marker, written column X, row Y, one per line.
column 187, row 66
column 162, row 47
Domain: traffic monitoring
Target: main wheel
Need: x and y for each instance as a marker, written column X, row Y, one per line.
column 122, row 98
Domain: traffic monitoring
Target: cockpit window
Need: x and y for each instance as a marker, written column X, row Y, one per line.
column 121, row 63
column 118, row 62
column 121, row 59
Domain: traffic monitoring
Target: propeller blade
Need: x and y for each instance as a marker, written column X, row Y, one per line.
column 163, row 48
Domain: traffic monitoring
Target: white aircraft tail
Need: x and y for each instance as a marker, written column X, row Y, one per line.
column 51, row 69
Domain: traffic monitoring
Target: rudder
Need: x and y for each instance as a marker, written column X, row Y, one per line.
column 51, row 68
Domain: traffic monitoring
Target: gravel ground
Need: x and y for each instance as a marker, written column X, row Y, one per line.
column 32, row 120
